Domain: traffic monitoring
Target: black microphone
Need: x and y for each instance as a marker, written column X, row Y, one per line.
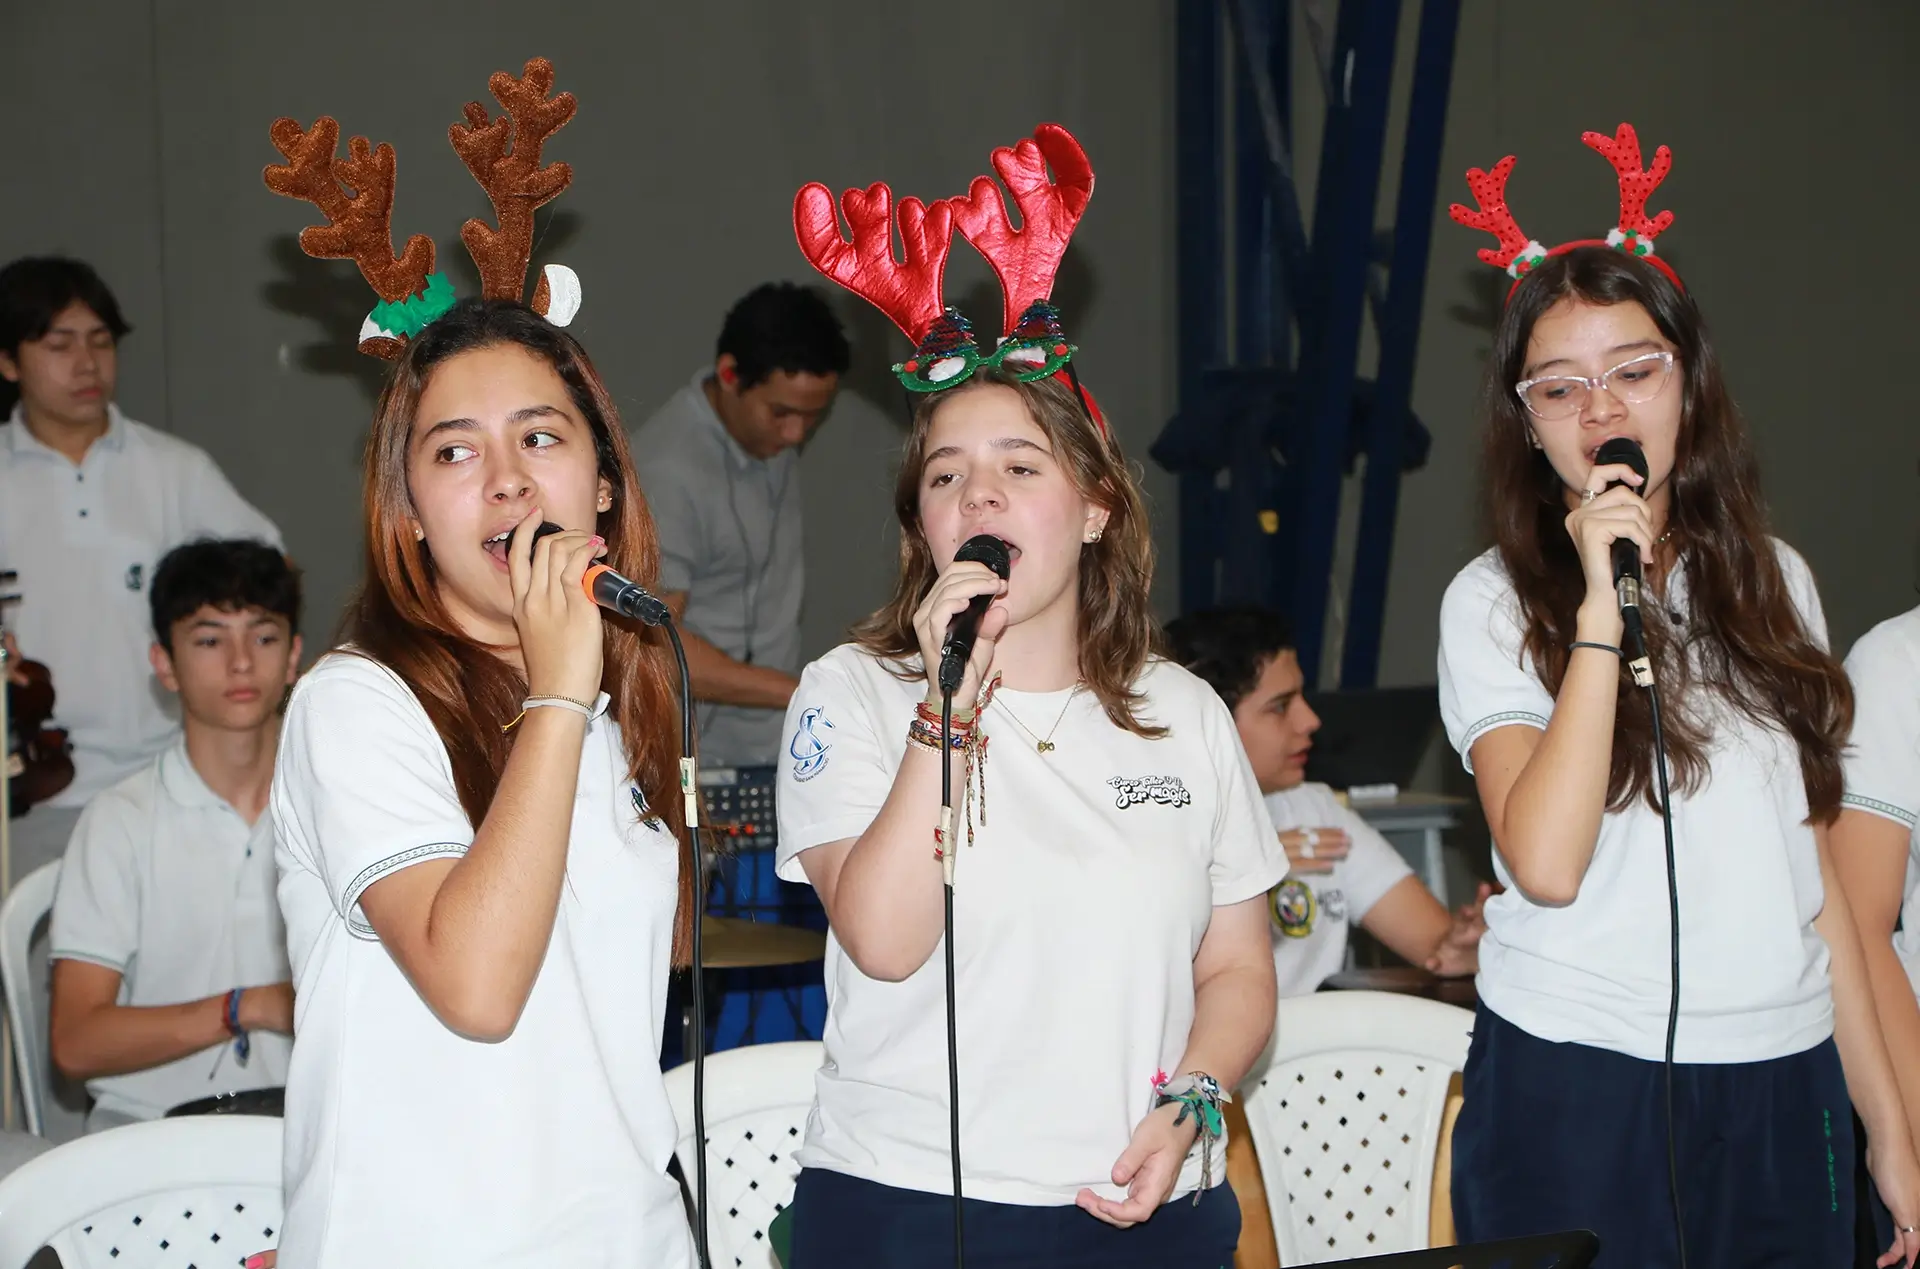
column 1627, row 577
column 1624, row 451
column 612, row 591
column 982, row 548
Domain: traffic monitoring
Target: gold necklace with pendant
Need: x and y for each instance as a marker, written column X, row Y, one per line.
column 1040, row 745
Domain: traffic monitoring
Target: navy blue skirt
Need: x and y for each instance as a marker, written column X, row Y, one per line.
column 1564, row 1136
column 839, row 1221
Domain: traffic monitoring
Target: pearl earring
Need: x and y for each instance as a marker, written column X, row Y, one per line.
column 419, row 534
column 1095, row 535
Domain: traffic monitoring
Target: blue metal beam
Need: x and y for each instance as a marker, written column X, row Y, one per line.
column 1343, row 220
column 1199, row 126
column 1399, row 340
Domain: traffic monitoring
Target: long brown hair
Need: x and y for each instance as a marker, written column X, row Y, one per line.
column 1116, row 630
column 469, row 692
column 1744, row 641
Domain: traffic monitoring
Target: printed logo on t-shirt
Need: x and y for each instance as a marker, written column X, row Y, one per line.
column 807, row 749
column 1137, row 790
column 1335, row 903
column 1293, row 907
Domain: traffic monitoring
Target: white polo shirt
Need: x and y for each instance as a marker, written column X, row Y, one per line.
column 85, row 540
column 1093, row 876
column 169, row 886
column 1753, row 970
column 406, row 1143
column 1313, row 913
column 1883, row 760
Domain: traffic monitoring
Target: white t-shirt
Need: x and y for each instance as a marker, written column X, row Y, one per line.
column 1883, row 760
column 1078, row 909
column 85, row 541
column 1753, row 971
column 1312, row 913
column 169, row 886
column 406, row 1143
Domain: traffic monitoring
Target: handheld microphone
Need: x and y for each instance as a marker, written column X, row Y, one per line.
column 1627, row 578
column 612, row 591
column 982, row 548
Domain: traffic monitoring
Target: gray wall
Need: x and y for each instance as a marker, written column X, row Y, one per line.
column 697, row 123
column 145, row 129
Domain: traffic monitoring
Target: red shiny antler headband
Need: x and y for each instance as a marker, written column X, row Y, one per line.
column 1518, row 254
column 1032, row 344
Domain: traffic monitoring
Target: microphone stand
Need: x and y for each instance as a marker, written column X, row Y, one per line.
column 949, row 852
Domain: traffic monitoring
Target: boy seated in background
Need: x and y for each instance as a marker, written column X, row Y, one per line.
column 1341, row 872
column 170, row 973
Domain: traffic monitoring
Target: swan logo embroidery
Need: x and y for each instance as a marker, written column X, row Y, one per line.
column 807, row 749
column 1138, row 790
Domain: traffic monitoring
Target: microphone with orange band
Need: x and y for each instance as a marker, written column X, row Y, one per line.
column 614, row 592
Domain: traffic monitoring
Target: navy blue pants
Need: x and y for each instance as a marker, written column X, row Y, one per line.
column 1563, row 1136
column 841, row 1221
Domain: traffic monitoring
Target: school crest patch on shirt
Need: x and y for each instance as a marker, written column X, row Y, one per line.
column 1293, row 907
column 808, row 748
column 1138, row 790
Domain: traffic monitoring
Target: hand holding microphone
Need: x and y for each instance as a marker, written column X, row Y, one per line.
column 560, row 635
column 957, row 623
column 1612, row 528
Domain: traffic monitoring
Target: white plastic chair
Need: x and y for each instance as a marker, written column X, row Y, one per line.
column 1345, row 1110
column 27, row 904
column 200, row 1190
column 758, row 1100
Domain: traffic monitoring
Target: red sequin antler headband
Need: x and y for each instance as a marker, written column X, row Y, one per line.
column 1032, row 343
column 1518, row 254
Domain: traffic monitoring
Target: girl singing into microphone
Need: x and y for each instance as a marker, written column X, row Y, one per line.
column 1113, row 973
column 1566, row 1121
column 481, row 864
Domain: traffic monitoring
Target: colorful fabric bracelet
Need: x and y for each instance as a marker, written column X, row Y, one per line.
column 1200, row 1095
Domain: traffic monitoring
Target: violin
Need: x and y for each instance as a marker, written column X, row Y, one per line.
column 39, row 757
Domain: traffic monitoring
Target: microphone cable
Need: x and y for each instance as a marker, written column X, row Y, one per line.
column 1634, row 639
column 634, row 601
column 690, row 793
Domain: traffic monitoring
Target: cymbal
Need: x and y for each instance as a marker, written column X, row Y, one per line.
column 737, row 943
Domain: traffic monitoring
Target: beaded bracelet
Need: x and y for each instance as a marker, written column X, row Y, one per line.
column 242, row 1042
column 927, row 736
column 557, row 702
column 1201, row 1096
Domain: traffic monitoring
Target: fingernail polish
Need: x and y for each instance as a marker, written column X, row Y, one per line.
column 598, row 540
column 256, row 1260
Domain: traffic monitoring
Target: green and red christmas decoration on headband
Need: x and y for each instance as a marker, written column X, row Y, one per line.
column 909, row 291
column 1519, row 255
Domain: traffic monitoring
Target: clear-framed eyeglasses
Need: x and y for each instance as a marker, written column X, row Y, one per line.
column 1634, row 382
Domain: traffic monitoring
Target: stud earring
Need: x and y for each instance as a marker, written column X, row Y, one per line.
column 1096, row 535
column 419, row 534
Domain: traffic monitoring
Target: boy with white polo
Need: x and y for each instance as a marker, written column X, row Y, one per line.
column 89, row 501
column 1341, row 871
column 170, row 973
